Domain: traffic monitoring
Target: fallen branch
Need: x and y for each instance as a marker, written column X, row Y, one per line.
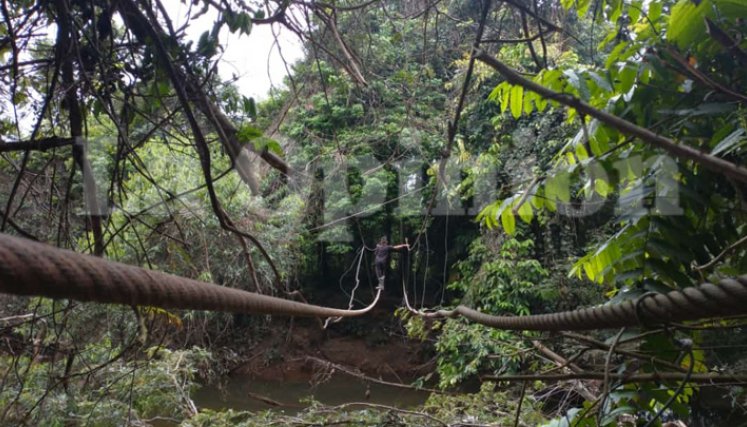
column 564, row 363
column 715, row 164
column 559, row 360
column 20, row 317
column 603, row 346
column 358, row 374
column 271, row 402
column 392, row 409
column 709, row 378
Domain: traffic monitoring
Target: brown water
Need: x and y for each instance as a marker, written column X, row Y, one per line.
column 235, row 394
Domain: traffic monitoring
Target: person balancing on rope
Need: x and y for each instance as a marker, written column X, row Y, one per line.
column 381, row 258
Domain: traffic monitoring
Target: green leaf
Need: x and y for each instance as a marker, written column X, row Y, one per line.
column 525, row 212
column 245, row 25
column 615, row 54
column 611, row 35
column 231, row 19
column 582, row 7
column 508, row 221
column 583, row 89
column 581, row 152
column 517, row 101
column 248, row 133
column 500, row 95
column 274, row 146
column 627, row 76
column 557, row 187
column 602, row 187
column 207, row 45
column 617, row 8
column 686, row 22
column 249, row 106
column 732, row 142
column 601, row 82
column 540, row 103
column 654, row 10
column 634, row 11
column 488, row 215
column 528, row 102
column 497, row 92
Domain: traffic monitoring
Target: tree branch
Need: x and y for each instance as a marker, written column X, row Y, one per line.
column 520, row 40
column 606, row 347
column 701, row 77
column 723, row 38
column 42, row 144
column 136, row 20
column 685, row 152
column 147, row 33
column 705, row 378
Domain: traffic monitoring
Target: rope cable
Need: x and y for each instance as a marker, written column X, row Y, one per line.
column 32, row 268
column 726, row 298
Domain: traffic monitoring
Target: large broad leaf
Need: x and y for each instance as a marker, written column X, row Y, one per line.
column 525, row 212
column 558, row 187
column 508, row 221
column 517, row 101
column 687, row 20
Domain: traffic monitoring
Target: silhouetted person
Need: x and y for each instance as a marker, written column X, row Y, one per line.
column 381, row 258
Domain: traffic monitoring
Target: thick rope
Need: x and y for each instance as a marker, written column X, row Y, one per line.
column 727, row 298
column 31, row 268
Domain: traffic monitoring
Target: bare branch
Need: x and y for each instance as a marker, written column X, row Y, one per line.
column 42, row 144
column 706, row 378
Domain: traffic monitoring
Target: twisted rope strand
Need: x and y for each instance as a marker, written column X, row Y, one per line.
column 727, row 298
column 32, row 268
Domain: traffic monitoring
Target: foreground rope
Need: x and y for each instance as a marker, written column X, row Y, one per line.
column 31, row 268
column 727, row 298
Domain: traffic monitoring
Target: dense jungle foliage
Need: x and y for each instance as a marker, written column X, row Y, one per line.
column 415, row 120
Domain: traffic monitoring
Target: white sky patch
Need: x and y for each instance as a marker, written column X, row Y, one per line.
column 255, row 59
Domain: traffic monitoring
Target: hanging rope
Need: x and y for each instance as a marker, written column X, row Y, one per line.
column 31, row 268
column 361, row 252
column 728, row 297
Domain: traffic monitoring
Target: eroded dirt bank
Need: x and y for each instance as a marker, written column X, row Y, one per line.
column 375, row 346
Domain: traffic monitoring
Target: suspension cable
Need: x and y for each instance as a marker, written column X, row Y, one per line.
column 32, row 268
column 728, row 297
